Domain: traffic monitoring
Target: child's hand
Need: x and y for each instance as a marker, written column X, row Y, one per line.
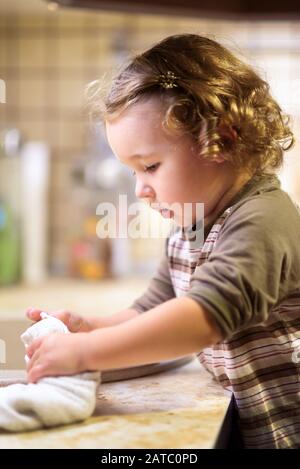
column 56, row 354
column 73, row 321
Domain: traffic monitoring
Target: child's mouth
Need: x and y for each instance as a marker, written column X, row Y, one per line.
column 166, row 213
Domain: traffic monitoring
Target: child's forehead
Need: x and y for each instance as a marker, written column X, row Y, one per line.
column 153, row 106
column 136, row 141
column 138, row 123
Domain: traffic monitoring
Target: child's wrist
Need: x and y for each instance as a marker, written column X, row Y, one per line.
column 94, row 350
column 85, row 352
column 92, row 323
column 85, row 326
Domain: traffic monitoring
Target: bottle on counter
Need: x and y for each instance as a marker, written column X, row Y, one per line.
column 35, row 170
column 90, row 256
column 9, row 246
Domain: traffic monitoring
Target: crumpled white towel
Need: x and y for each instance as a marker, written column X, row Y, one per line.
column 42, row 328
column 51, row 401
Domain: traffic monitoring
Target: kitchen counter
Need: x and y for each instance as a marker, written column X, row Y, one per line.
column 179, row 408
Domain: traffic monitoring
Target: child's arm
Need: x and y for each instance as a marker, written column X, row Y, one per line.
column 78, row 323
column 96, row 322
column 175, row 328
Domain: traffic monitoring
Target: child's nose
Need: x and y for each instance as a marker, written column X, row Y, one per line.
column 143, row 191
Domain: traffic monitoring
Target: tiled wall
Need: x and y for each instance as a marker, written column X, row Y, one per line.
column 46, row 62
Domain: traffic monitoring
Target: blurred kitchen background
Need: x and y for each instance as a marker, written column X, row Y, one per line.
column 55, row 167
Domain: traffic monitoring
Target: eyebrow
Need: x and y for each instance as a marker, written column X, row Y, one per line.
column 137, row 156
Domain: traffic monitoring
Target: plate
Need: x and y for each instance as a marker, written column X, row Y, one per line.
column 8, row 377
column 120, row 374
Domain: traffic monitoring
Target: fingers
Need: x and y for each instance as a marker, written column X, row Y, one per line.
column 62, row 315
column 33, row 314
column 73, row 321
column 34, row 346
column 39, row 367
column 37, row 372
column 34, row 368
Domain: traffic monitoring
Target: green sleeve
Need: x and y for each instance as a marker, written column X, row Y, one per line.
column 254, row 265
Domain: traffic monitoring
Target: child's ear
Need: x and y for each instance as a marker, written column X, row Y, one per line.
column 228, row 134
column 219, row 159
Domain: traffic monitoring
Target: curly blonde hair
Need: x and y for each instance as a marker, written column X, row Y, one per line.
column 213, row 89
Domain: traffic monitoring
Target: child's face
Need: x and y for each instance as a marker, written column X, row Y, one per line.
column 167, row 168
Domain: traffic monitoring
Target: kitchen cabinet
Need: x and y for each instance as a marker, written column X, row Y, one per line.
column 216, row 8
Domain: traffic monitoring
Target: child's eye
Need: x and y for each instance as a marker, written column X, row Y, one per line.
column 148, row 169
column 151, row 168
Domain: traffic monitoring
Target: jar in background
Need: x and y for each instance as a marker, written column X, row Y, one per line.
column 9, row 247
column 90, row 256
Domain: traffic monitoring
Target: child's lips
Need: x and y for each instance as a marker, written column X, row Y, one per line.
column 166, row 213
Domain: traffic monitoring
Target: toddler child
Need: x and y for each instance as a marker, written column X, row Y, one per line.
column 197, row 125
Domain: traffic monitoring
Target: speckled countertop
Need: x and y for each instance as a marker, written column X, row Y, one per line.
column 179, row 408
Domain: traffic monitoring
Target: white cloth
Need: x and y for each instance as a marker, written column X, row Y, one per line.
column 51, row 401
column 42, row 328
